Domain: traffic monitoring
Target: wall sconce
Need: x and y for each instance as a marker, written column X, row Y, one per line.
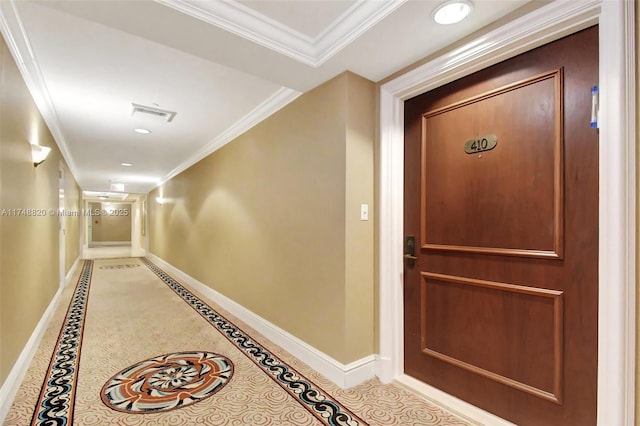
column 160, row 200
column 39, row 154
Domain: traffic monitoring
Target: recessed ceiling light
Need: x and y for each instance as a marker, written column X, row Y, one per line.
column 452, row 11
column 142, row 131
column 117, row 187
column 126, row 164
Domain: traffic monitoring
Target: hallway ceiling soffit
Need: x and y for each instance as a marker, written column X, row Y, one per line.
column 314, row 51
column 224, row 66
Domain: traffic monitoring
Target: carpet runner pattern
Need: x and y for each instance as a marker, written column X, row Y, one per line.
column 131, row 345
column 57, row 397
column 311, row 396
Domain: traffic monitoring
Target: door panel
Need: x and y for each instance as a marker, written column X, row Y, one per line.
column 528, row 117
column 525, row 322
column 501, row 304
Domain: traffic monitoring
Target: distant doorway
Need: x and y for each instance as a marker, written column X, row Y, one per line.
column 110, row 224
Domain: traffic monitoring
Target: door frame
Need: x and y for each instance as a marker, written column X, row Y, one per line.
column 617, row 187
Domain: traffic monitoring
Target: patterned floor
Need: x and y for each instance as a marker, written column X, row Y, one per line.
column 167, row 382
column 129, row 339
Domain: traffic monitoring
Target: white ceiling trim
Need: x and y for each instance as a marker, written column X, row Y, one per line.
column 272, row 104
column 247, row 23
column 16, row 38
column 504, row 43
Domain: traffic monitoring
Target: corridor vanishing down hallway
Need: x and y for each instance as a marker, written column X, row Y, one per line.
column 131, row 345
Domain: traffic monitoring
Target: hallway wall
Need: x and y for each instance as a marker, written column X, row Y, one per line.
column 29, row 245
column 272, row 220
column 112, row 226
column 637, row 11
column 72, row 222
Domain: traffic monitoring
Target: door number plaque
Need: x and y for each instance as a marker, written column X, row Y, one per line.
column 480, row 144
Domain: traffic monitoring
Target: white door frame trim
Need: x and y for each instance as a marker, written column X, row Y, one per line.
column 617, row 209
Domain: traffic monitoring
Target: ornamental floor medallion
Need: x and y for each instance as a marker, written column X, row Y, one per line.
column 167, row 382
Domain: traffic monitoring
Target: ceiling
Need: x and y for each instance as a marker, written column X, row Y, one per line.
column 222, row 66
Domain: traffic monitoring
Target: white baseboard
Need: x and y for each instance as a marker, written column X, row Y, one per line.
column 342, row 375
column 471, row 413
column 135, row 251
column 14, row 379
column 138, row 252
column 110, row 243
column 72, row 270
column 16, row 375
column 384, row 369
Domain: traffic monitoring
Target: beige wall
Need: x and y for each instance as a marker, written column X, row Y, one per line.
column 271, row 220
column 29, row 245
column 637, row 45
column 114, row 225
column 73, row 220
column 359, row 235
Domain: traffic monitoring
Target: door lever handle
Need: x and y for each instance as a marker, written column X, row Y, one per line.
column 410, row 248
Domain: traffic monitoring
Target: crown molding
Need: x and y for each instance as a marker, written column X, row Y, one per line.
column 549, row 23
column 258, row 28
column 15, row 36
column 275, row 102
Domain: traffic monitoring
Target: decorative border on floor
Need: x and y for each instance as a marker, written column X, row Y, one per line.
column 167, row 382
column 57, row 396
column 317, row 401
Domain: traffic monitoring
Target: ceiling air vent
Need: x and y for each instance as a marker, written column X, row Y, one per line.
column 152, row 112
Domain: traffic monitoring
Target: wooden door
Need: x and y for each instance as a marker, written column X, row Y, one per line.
column 501, row 302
